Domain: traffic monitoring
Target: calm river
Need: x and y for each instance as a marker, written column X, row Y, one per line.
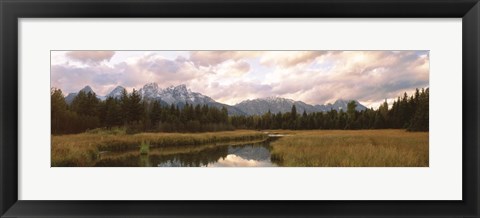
column 240, row 155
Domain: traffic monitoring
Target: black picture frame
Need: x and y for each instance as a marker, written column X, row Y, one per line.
column 12, row 10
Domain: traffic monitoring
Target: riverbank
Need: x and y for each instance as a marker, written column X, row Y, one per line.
column 84, row 149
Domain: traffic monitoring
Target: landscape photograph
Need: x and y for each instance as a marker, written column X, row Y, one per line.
column 240, row 108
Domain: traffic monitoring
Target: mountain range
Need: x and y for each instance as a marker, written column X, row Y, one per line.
column 275, row 104
column 181, row 95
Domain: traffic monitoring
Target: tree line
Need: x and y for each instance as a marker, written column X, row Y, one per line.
column 408, row 112
column 87, row 112
column 137, row 115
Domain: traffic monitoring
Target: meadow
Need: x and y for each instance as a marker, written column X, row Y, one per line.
column 351, row 148
column 84, row 149
column 294, row 148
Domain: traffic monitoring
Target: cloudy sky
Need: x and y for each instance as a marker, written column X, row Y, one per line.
column 315, row 77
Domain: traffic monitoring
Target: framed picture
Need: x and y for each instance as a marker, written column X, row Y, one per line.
column 166, row 117
column 228, row 108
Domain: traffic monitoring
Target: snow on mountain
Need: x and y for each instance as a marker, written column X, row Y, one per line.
column 149, row 91
column 181, row 95
column 274, row 104
column 116, row 92
column 173, row 94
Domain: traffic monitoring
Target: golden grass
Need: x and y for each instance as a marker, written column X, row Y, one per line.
column 321, row 148
column 83, row 149
column 351, row 148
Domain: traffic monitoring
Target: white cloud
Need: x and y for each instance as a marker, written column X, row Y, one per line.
column 316, row 77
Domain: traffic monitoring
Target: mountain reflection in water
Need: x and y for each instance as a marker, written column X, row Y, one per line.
column 246, row 155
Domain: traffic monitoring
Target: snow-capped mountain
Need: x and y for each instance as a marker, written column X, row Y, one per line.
column 177, row 95
column 116, row 92
column 150, row 91
column 275, row 105
column 181, row 95
column 173, row 94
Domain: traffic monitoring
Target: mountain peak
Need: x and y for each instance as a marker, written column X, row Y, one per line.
column 118, row 88
column 272, row 98
column 341, row 104
column 181, row 87
column 116, row 92
column 340, row 100
column 152, row 85
column 279, row 98
column 260, row 106
column 87, row 89
column 179, row 94
column 273, row 104
column 150, row 90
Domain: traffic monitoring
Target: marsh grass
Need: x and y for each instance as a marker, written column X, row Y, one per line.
column 83, row 149
column 144, row 148
column 352, row 148
column 320, row 148
column 111, row 131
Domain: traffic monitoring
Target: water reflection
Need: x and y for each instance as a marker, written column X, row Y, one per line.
column 192, row 159
column 236, row 161
column 245, row 155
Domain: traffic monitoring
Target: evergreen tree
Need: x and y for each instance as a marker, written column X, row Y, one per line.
column 58, row 110
column 112, row 113
column 420, row 120
column 293, row 112
column 136, row 108
column 87, row 112
column 351, row 115
column 125, row 104
column 156, row 113
column 86, row 104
